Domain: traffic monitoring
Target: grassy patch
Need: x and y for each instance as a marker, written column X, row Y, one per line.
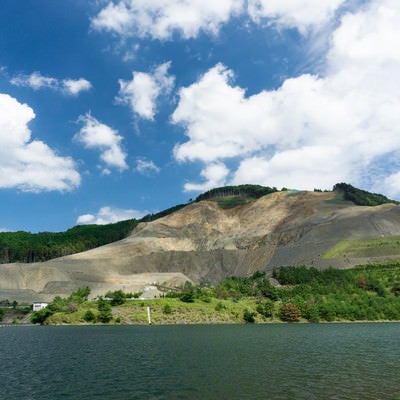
column 232, row 201
column 338, row 198
column 216, row 311
column 365, row 248
column 293, row 192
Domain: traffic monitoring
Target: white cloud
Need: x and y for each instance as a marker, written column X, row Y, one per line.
column 300, row 14
column 142, row 92
column 146, row 166
column 96, row 135
column 26, row 164
column 314, row 130
column 109, row 215
column 320, row 167
column 75, row 86
column 37, row 81
column 159, row 19
column 220, row 122
column 215, row 176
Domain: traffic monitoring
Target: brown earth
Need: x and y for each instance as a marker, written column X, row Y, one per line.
column 205, row 242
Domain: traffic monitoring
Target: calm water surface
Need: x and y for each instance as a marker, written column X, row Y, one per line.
column 308, row 361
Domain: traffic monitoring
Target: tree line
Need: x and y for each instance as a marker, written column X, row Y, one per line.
column 29, row 247
column 367, row 293
column 361, row 197
column 253, row 191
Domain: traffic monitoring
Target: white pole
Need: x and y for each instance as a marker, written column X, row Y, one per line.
column 148, row 315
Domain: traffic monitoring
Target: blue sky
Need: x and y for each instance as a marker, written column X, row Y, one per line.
column 111, row 110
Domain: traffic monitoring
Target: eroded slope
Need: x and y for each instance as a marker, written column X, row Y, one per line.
column 205, row 242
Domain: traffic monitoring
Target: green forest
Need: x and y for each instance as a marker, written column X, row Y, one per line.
column 365, row 293
column 34, row 247
column 361, row 197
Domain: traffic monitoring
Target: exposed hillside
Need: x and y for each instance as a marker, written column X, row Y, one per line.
column 203, row 241
column 26, row 247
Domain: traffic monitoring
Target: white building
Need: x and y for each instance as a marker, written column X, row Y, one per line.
column 37, row 306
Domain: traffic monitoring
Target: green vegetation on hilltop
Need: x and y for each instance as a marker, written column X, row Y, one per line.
column 251, row 191
column 361, row 197
column 365, row 293
column 161, row 214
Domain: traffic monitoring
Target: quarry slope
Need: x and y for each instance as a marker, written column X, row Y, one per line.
column 205, row 242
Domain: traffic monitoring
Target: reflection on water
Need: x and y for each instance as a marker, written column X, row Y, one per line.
column 304, row 361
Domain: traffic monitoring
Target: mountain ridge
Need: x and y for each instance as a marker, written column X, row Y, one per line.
column 203, row 241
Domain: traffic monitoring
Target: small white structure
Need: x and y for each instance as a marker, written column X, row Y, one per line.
column 37, row 306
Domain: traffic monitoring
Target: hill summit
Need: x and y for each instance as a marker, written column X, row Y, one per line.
column 224, row 233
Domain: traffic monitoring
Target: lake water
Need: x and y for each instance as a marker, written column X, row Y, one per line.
column 282, row 361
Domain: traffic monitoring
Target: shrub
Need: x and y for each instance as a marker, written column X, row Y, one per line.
column 105, row 311
column 205, row 297
column 248, row 316
column 167, row 309
column 57, row 305
column 71, row 306
column 105, row 316
column 187, row 297
column 39, row 317
column 81, row 294
column 117, row 298
column 312, row 314
column 266, row 308
column 89, row 316
column 220, row 306
column 290, row 313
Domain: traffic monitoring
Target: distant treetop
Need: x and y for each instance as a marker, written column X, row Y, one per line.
column 253, row 191
column 361, row 197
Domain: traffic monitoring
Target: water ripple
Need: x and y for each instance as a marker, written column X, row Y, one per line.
column 276, row 362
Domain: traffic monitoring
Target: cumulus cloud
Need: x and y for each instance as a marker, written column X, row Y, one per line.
column 26, row 164
column 214, row 176
column 75, row 86
column 313, row 131
column 37, row 81
column 141, row 93
column 300, row 14
column 96, row 135
column 109, row 215
column 159, row 19
column 144, row 166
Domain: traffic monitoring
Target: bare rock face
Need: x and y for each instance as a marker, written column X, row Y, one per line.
column 204, row 242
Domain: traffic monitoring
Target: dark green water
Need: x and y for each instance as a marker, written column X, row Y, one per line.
column 308, row 361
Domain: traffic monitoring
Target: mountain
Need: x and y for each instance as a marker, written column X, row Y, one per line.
column 226, row 234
